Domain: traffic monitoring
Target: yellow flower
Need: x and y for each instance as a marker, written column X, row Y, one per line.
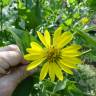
column 55, row 55
column 84, row 20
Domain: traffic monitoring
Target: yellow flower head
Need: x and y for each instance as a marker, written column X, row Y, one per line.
column 84, row 20
column 55, row 55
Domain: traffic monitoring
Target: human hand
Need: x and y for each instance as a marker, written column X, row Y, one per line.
column 11, row 71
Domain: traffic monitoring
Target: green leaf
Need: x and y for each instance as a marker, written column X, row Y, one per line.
column 17, row 39
column 88, row 38
column 24, row 88
column 21, row 37
column 74, row 91
column 32, row 16
column 92, row 4
column 60, row 85
column 90, row 28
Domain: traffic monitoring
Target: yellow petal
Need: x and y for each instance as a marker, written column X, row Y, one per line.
column 47, row 38
column 72, row 47
column 58, row 72
column 35, row 46
column 30, row 50
column 66, row 37
column 32, row 56
column 41, row 37
column 66, row 69
column 70, row 53
column 44, row 71
column 69, row 60
column 51, row 72
column 70, row 65
column 57, row 35
column 34, row 64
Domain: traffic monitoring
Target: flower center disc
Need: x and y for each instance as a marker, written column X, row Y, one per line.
column 53, row 54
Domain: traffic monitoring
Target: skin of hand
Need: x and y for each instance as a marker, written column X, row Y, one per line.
column 12, row 69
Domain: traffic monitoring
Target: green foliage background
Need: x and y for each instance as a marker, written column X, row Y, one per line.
column 19, row 21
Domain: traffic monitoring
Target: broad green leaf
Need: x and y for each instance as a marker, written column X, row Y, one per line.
column 24, row 88
column 88, row 38
column 61, row 85
column 21, row 37
column 17, row 39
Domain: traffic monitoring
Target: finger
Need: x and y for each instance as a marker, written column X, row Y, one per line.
column 2, row 71
column 11, row 57
column 12, row 47
column 19, row 74
column 3, row 64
